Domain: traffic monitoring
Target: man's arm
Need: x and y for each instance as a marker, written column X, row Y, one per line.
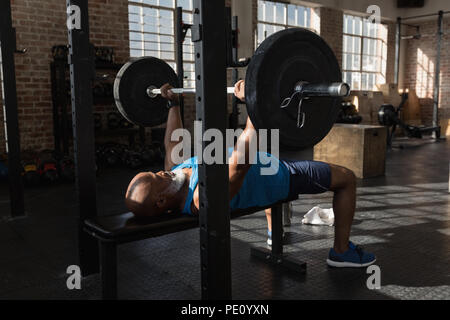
column 173, row 122
column 243, row 155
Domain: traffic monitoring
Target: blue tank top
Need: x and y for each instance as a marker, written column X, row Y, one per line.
column 257, row 189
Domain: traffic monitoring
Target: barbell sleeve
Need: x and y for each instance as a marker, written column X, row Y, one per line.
column 152, row 91
column 335, row 89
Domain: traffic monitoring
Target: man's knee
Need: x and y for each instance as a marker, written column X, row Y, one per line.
column 342, row 177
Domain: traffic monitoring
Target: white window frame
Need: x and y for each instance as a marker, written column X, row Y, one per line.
column 381, row 72
column 162, row 46
column 285, row 24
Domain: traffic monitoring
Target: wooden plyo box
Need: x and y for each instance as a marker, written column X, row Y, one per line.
column 360, row 148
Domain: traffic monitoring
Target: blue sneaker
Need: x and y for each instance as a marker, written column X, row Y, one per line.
column 269, row 237
column 354, row 257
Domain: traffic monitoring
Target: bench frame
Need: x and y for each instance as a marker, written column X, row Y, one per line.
column 109, row 240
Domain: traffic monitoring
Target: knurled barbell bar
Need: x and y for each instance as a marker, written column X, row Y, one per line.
column 338, row 89
column 293, row 67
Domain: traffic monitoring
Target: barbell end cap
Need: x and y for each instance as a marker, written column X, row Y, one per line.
column 151, row 91
column 344, row 90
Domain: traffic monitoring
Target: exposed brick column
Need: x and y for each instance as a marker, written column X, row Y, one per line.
column 390, row 58
column 39, row 28
column 331, row 26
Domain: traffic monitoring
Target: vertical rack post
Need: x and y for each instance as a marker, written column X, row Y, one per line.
column 179, row 39
column 81, row 78
column 208, row 35
column 398, row 40
column 437, row 73
column 8, row 47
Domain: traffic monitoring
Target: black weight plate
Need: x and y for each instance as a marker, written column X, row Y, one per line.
column 130, row 91
column 386, row 115
column 282, row 60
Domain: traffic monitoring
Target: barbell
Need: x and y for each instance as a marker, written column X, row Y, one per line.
column 293, row 83
column 338, row 89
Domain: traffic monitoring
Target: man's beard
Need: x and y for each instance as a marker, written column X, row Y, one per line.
column 179, row 179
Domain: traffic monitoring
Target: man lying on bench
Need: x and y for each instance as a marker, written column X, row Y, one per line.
column 176, row 188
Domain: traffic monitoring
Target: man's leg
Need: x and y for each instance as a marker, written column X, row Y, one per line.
column 343, row 184
column 313, row 177
column 269, row 219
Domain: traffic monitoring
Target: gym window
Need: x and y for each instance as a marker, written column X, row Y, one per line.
column 276, row 16
column 152, row 33
column 364, row 53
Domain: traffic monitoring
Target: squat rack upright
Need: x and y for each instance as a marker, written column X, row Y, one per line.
column 8, row 48
column 208, row 35
column 437, row 69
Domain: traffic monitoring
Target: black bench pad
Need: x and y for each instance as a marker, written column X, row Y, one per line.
column 126, row 227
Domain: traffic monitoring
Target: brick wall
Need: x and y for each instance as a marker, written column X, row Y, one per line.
column 41, row 27
column 390, row 59
column 38, row 28
column 419, row 69
column 331, row 25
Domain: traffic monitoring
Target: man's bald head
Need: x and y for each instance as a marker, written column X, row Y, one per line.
column 150, row 194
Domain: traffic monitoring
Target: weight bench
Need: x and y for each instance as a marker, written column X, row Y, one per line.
column 123, row 228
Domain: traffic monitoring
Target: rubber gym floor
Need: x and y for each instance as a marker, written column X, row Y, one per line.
column 403, row 217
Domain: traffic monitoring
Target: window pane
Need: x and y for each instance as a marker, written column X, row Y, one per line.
column 135, row 45
column 133, row 18
column 371, row 84
column 380, row 79
column 136, row 36
column 382, row 32
column 152, row 2
column 261, row 10
column 370, row 58
column 347, row 77
column 151, row 53
column 292, row 11
column 280, row 16
column 344, row 27
column 135, row 26
column 353, row 79
column 356, row 81
column 186, row 4
column 167, row 3
column 136, row 53
column 364, row 81
column 371, row 63
column 188, row 48
column 348, row 25
column 188, row 18
column 133, row 9
column 357, row 44
column 370, row 29
column 308, row 17
column 261, row 34
column 268, row 10
column 358, row 26
column 352, row 44
column 384, row 51
column 188, row 56
column 152, row 33
column 150, row 37
column 370, row 46
column 355, row 62
column 301, row 21
column 276, row 16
